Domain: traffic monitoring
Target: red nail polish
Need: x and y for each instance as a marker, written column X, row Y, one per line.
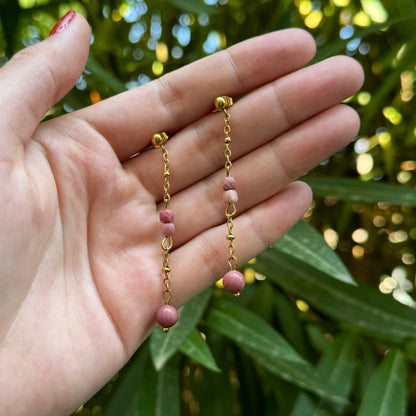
column 63, row 23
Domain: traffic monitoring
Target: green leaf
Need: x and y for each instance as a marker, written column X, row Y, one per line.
column 284, row 392
column 164, row 345
column 260, row 299
column 307, row 405
column 251, row 385
column 146, row 389
column 266, row 347
column 247, row 329
column 356, row 190
column 338, row 362
column 197, row 348
column 369, row 361
column 361, row 306
column 106, row 77
column 213, row 391
column 300, row 374
column 386, row 393
column 134, row 380
column 168, row 396
column 305, row 243
column 290, row 323
column 338, row 365
column 158, row 394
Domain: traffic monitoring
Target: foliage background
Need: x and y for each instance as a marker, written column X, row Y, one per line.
column 327, row 324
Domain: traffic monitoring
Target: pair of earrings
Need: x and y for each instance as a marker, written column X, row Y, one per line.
column 233, row 280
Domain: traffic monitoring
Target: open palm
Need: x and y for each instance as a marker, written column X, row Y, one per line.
column 80, row 253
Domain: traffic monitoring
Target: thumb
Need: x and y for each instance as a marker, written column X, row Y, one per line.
column 39, row 76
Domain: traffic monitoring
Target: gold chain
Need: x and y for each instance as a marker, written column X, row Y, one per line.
column 167, row 241
column 230, row 210
column 166, row 175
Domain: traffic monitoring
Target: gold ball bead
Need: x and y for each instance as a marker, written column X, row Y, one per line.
column 165, row 330
column 159, row 139
column 223, row 102
column 219, row 103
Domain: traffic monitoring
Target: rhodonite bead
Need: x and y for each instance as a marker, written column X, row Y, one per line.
column 168, row 229
column 166, row 216
column 228, row 183
column 166, row 316
column 230, row 196
column 233, row 281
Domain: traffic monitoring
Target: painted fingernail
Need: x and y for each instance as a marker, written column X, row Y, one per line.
column 63, row 23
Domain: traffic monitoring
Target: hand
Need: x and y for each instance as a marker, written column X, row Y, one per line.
column 80, row 280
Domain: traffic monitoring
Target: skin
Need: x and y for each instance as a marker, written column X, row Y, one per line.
column 80, row 280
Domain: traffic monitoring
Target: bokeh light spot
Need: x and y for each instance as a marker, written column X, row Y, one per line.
column 376, row 10
column 249, row 275
column 305, row 7
column 365, row 163
column 157, row 68
column 341, row 3
column 398, row 237
column 408, row 165
column 95, row 96
column 162, row 52
column 364, row 98
column 331, row 237
column 313, row 20
column 404, row 177
column 384, row 138
column 408, row 259
column 302, row 305
column 397, row 218
column 360, row 235
column 362, row 19
column 379, row 221
column 358, row 252
column 393, row 115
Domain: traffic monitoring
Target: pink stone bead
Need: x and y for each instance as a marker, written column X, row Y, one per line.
column 168, row 229
column 228, row 183
column 230, row 196
column 233, row 281
column 166, row 216
column 166, row 316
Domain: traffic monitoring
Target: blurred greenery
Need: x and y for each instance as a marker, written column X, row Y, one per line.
column 327, row 323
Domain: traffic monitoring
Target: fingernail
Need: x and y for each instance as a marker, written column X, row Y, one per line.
column 63, row 23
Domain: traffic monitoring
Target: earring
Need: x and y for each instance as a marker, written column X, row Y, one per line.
column 166, row 315
column 233, row 280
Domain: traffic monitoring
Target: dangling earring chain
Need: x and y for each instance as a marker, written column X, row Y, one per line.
column 166, row 315
column 233, row 280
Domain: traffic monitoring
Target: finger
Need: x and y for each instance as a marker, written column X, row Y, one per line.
column 203, row 260
column 261, row 116
column 36, row 78
column 129, row 120
column 263, row 172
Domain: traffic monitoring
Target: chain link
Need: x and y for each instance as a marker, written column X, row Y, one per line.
column 166, row 175
column 227, row 141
